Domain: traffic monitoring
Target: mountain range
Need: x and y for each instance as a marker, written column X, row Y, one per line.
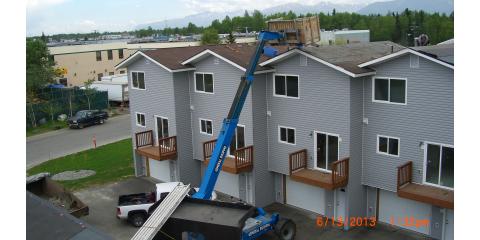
column 381, row 7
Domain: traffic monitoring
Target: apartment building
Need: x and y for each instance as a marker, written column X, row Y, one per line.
column 354, row 131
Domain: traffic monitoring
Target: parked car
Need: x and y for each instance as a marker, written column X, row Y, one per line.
column 135, row 207
column 85, row 118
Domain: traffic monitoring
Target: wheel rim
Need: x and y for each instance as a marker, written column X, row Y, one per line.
column 287, row 231
column 138, row 221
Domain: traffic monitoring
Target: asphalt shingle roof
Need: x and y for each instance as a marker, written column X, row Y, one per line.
column 240, row 54
column 350, row 56
column 444, row 52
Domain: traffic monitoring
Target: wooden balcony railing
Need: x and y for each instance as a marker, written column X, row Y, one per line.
column 297, row 160
column 340, row 172
column 404, row 174
column 143, row 139
column 430, row 194
column 208, row 147
column 338, row 177
column 241, row 162
column 166, row 148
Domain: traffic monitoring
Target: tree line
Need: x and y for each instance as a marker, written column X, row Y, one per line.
column 397, row 27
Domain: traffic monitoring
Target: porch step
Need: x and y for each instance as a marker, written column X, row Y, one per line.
column 162, row 213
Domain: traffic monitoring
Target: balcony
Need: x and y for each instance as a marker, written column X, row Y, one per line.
column 420, row 192
column 336, row 178
column 166, row 148
column 242, row 160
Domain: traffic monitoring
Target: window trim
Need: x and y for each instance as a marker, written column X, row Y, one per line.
column 244, row 133
column 294, row 135
column 424, row 178
column 315, row 150
column 195, row 82
column 285, row 75
column 388, row 143
column 389, row 78
column 200, row 126
column 131, row 82
column 136, row 119
column 155, row 120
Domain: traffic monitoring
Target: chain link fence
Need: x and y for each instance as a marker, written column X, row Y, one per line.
column 56, row 101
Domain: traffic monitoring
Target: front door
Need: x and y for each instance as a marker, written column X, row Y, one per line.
column 238, row 140
column 448, row 225
column 326, row 150
column 340, row 204
column 161, row 127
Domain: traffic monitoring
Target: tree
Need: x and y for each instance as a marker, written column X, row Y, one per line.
column 39, row 67
column 88, row 91
column 230, row 38
column 210, row 36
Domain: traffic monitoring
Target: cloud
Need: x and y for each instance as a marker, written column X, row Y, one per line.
column 198, row 6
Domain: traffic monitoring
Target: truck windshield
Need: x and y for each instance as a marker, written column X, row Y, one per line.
column 80, row 114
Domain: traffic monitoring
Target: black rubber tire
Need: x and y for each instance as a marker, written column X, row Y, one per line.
column 285, row 229
column 80, row 126
column 101, row 121
column 137, row 219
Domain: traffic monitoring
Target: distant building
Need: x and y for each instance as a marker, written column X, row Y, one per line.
column 339, row 37
column 85, row 62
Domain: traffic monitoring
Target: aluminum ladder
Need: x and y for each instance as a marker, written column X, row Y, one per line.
column 162, row 213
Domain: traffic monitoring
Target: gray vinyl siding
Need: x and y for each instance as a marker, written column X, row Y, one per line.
column 427, row 116
column 215, row 106
column 156, row 99
column 188, row 168
column 356, row 198
column 264, row 180
column 324, row 105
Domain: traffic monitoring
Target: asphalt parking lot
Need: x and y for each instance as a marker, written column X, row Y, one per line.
column 102, row 201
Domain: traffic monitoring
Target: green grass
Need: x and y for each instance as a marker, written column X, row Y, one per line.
column 111, row 162
column 47, row 127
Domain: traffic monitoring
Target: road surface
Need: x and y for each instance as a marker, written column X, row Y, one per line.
column 43, row 147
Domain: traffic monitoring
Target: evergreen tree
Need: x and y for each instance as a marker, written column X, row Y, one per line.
column 230, row 38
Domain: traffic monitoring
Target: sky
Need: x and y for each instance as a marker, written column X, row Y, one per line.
column 82, row 16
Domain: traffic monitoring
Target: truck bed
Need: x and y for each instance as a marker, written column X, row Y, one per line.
column 135, row 199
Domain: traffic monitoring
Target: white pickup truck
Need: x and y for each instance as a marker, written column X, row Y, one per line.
column 134, row 207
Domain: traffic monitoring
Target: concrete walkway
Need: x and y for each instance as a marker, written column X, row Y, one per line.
column 43, row 147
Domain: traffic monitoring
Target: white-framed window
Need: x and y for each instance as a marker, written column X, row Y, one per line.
column 286, row 85
column 138, row 80
column 204, row 82
column 438, row 164
column 414, row 61
column 140, row 119
column 286, row 135
column 206, row 126
column 238, row 139
column 327, row 149
column 388, row 145
column 389, row 90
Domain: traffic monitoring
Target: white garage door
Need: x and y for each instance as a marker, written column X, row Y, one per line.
column 305, row 196
column 394, row 209
column 228, row 183
column 160, row 170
